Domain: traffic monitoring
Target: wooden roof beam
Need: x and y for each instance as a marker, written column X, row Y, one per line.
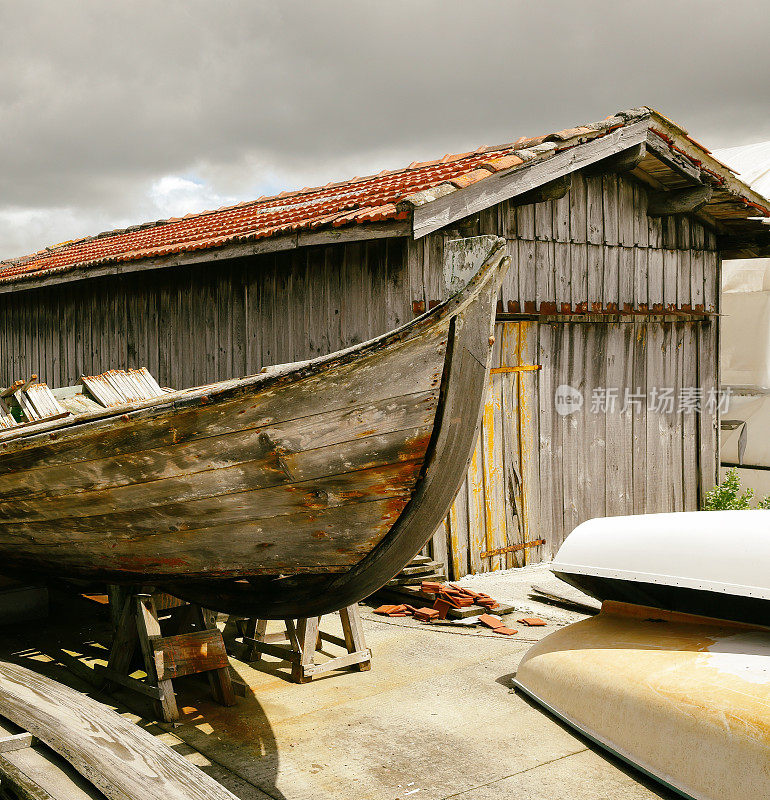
column 554, row 190
column 678, row 201
column 671, row 158
column 624, row 161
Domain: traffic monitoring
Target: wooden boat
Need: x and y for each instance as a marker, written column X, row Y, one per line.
column 290, row 493
column 682, row 696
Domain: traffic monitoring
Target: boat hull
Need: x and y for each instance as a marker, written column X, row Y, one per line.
column 292, row 493
column 683, row 698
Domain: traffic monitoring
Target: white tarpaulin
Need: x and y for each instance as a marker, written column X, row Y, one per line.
column 746, row 339
column 745, row 356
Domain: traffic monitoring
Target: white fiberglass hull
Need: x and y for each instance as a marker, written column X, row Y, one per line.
column 685, row 699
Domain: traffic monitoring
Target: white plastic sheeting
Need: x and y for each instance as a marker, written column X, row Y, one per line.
column 745, row 354
column 694, row 549
column 751, row 162
column 745, row 357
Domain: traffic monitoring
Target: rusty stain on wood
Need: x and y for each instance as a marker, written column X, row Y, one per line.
column 513, row 548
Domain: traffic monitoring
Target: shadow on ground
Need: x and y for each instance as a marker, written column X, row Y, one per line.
column 77, row 635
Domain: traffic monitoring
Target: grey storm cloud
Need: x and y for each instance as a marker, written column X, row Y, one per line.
column 108, row 107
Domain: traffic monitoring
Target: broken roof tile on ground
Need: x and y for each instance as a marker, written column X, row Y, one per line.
column 388, row 197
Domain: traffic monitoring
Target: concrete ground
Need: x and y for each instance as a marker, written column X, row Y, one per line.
column 434, row 719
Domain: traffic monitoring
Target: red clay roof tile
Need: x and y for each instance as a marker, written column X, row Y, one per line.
column 376, row 198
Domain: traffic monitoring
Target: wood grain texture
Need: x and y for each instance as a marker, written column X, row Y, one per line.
column 121, row 759
column 305, row 469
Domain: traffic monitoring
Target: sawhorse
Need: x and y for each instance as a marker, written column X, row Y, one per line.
column 199, row 649
column 304, row 639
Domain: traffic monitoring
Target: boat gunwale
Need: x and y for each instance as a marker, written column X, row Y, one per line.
column 292, row 372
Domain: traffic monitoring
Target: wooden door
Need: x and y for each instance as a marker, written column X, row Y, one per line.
column 488, row 526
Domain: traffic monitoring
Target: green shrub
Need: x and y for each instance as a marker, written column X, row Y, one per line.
column 726, row 495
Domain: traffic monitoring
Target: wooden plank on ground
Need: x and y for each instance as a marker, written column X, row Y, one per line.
column 87, row 733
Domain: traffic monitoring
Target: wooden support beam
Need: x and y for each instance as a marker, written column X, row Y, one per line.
column 625, row 161
column 678, row 201
column 671, row 158
column 554, row 190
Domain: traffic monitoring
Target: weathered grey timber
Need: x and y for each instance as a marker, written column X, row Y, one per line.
column 121, row 759
column 290, row 493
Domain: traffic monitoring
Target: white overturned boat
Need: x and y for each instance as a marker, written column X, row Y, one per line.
column 674, row 674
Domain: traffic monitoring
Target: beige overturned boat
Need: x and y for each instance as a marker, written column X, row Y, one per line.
column 670, row 676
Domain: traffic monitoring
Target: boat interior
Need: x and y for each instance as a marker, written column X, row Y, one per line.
column 26, row 402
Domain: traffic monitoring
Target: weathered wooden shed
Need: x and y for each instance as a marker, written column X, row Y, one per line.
column 603, row 396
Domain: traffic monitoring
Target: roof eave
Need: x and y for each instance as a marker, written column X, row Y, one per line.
column 304, row 238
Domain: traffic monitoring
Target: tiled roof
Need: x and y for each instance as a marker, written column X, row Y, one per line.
column 387, row 196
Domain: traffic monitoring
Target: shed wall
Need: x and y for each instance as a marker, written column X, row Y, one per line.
column 593, row 250
column 196, row 325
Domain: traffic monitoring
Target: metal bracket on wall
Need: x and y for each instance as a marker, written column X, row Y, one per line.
column 520, row 368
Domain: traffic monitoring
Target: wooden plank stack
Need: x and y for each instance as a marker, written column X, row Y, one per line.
column 119, row 386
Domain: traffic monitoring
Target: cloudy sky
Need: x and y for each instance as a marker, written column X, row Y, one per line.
column 119, row 113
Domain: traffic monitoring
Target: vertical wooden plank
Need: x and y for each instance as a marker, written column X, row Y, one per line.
column 595, row 270
column 476, row 515
column 579, row 274
column 610, row 208
column 510, row 292
column 697, row 265
column 398, row 302
column 670, row 278
column 655, row 277
column 544, row 273
column 493, row 518
column 532, row 525
column 641, row 232
column 657, row 484
column 593, row 488
column 708, row 419
column 578, row 211
column 527, row 275
column 617, row 446
column 569, row 361
column 459, row 533
column 544, row 221
column 509, row 432
column 627, row 199
column 562, row 269
column 594, row 204
column 549, row 455
column 626, row 274
column 690, row 428
column 525, row 222
column 639, row 417
column 561, row 218
column 611, row 279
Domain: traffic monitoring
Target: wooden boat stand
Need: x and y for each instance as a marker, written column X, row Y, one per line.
column 304, row 639
column 198, row 649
